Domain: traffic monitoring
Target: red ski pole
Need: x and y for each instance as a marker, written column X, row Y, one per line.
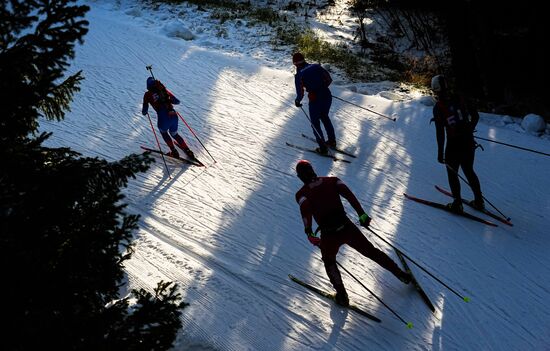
column 195, row 135
column 158, row 144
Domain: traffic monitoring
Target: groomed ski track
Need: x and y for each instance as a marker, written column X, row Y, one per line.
column 229, row 233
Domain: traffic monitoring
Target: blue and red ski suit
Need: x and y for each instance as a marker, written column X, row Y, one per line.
column 167, row 118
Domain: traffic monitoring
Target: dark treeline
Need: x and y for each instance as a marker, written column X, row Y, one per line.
column 497, row 51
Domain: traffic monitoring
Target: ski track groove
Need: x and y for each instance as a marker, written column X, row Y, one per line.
column 214, row 230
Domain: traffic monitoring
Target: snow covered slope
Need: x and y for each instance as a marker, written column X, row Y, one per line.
column 230, row 233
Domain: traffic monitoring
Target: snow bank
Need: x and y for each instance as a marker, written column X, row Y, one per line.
column 533, row 124
column 176, row 29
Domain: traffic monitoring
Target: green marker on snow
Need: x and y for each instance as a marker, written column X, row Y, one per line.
column 466, row 298
column 409, row 325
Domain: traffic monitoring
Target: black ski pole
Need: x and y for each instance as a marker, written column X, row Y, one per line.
column 364, row 108
column 317, row 134
column 408, row 324
column 465, row 298
column 514, row 146
column 489, row 202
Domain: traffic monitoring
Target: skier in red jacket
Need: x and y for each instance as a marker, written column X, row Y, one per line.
column 320, row 198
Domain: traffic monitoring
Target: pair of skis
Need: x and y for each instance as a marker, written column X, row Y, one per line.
column 193, row 162
column 463, row 214
column 337, row 150
column 361, row 311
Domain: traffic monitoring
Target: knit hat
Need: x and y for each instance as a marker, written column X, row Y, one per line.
column 305, row 171
column 298, row 58
column 439, row 83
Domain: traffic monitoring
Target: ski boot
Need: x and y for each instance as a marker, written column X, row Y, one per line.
column 189, row 153
column 341, row 297
column 173, row 153
column 323, row 150
column 405, row 277
column 478, row 204
column 455, row 206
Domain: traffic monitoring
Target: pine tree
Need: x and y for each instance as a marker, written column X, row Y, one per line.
column 64, row 232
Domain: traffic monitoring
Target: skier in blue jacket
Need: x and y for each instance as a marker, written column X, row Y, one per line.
column 316, row 80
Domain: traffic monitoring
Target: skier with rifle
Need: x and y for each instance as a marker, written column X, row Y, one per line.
column 162, row 101
column 457, row 119
column 319, row 199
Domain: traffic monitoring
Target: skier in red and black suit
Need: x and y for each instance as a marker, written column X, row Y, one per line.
column 456, row 118
column 316, row 80
column 162, row 101
column 320, row 198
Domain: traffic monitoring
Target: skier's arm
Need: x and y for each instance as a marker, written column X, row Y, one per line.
column 305, row 211
column 174, row 100
column 474, row 114
column 299, row 87
column 327, row 79
column 145, row 104
column 439, row 134
column 347, row 194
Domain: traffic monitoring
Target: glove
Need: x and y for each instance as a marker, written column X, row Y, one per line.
column 297, row 103
column 364, row 220
column 143, row 112
column 313, row 239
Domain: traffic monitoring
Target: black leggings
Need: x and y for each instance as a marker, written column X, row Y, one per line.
column 352, row 236
column 461, row 155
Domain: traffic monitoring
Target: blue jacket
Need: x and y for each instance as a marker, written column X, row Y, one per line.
column 315, row 79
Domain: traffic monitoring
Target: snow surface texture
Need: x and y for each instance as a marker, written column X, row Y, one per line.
column 230, row 233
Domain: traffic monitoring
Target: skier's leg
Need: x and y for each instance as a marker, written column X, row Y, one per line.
column 167, row 140
column 173, row 130
column 452, row 160
column 467, row 164
column 329, row 128
column 329, row 249
column 314, row 115
column 362, row 245
column 163, row 125
column 179, row 140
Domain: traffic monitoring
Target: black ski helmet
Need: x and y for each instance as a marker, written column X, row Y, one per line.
column 151, row 83
column 305, row 171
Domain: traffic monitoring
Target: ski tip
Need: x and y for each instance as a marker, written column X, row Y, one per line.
column 409, row 325
column 466, row 299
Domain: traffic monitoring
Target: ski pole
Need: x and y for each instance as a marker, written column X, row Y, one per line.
column 158, row 144
column 364, row 108
column 408, row 324
column 465, row 298
column 489, row 202
column 514, row 146
column 195, row 135
column 317, row 133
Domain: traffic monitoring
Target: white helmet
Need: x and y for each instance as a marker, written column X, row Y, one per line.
column 439, row 83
